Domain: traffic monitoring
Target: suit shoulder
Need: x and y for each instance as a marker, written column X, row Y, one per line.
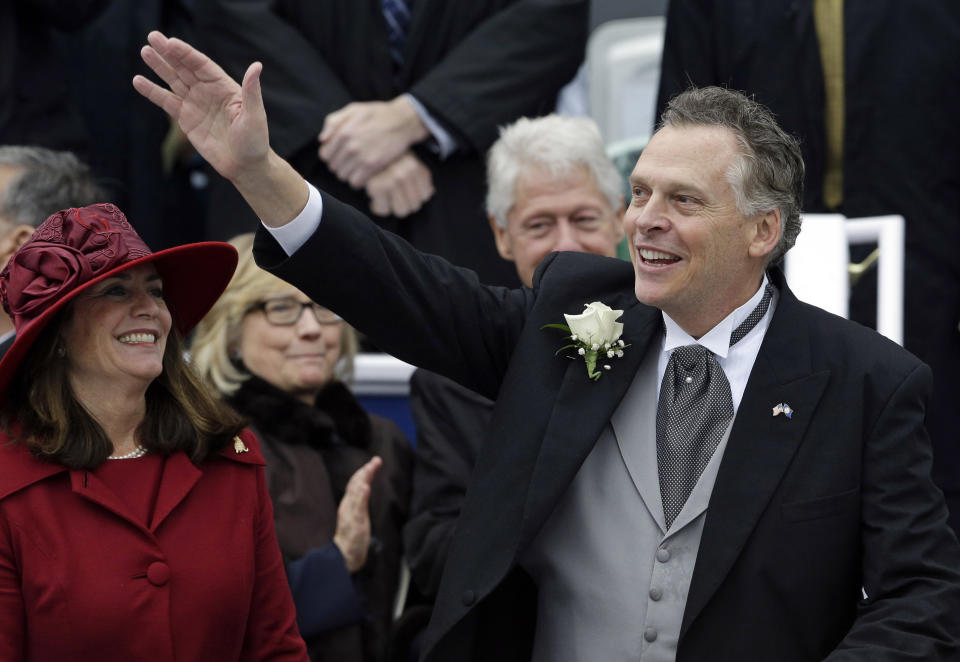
column 858, row 346
column 584, row 271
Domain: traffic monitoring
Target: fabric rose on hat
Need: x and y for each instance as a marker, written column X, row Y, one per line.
column 43, row 272
column 69, row 249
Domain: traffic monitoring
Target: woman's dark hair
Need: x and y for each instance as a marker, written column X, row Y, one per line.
column 43, row 412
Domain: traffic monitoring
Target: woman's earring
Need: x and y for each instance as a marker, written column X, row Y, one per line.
column 61, row 351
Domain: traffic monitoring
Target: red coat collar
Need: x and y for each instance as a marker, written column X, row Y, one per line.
column 19, row 468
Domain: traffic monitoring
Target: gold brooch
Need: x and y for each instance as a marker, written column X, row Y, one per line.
column 239, row 446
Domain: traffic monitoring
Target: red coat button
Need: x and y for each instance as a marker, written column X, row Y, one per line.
column 158, row 573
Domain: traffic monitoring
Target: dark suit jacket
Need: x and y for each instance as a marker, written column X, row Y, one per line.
column 805, row 511
column 451, row 423
column 36, row 104
column 476, row 65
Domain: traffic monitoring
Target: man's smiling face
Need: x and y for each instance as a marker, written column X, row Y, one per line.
column 695, row 255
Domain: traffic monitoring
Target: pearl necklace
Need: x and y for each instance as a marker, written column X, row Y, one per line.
column 139, row 451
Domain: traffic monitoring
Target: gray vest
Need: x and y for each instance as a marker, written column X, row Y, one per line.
column 612, row 582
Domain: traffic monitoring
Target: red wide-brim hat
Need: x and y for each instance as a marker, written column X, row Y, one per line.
column 77, row 248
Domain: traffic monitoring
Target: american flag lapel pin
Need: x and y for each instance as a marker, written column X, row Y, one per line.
column 783, row 408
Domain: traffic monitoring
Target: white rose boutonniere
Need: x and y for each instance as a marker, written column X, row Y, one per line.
column 594, row 334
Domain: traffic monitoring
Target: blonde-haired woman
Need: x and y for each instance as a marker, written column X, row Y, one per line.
column 281, row 360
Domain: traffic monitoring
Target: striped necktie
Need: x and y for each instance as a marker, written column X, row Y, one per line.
column 397, row 15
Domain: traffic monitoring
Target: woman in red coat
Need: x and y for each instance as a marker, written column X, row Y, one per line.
column 135, row 522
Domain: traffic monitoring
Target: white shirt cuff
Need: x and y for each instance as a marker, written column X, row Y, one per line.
column 294, row 234
column 446, row 145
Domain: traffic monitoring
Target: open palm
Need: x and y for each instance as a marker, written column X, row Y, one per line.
column 225, row 122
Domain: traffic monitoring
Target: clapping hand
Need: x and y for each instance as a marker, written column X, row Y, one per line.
column 352, row 536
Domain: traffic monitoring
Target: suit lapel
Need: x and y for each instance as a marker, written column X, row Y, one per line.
column 760, row 448
column 582, row 408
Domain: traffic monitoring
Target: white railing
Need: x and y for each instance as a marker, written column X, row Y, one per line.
column 381, row 374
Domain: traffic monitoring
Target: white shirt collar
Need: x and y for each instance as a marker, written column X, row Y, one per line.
column 717, row 339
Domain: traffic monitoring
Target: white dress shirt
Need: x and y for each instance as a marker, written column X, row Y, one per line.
column 294, row 234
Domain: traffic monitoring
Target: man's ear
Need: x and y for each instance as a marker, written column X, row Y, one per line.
column 502, row 239
column 13, row 240
column 767, row 228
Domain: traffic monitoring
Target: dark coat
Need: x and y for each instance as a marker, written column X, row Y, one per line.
column 452, row 423
column 81, row 578
column 311, row 453
column 901, row 144
column 474, row 64
column 37, row 106
column 805, row 511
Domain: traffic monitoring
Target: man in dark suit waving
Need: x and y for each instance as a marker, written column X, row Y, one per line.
column 737, row 476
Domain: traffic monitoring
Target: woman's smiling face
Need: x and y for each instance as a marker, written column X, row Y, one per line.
column 117, row 331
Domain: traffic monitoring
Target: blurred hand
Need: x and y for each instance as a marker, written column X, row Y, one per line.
column 225, row 122
column 352, row 536
column 362, row 138
column 401, row 188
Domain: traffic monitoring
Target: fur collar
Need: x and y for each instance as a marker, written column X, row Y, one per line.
column 336, row 417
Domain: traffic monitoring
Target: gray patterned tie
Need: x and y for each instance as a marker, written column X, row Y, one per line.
column 694, row 411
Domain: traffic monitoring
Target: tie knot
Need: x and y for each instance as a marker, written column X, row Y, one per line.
column 690, row 366
column 690, row 356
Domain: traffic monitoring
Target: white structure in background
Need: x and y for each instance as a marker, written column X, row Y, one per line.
column 623, row 73
column 817, row 267
column 381, row 374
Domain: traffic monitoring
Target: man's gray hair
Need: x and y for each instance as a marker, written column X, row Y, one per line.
column 769, row 173
column 50, row 181
column 555, row 144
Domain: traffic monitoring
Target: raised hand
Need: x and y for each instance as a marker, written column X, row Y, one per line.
column 225, row 122
column 352, row 536
column 401, row 188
